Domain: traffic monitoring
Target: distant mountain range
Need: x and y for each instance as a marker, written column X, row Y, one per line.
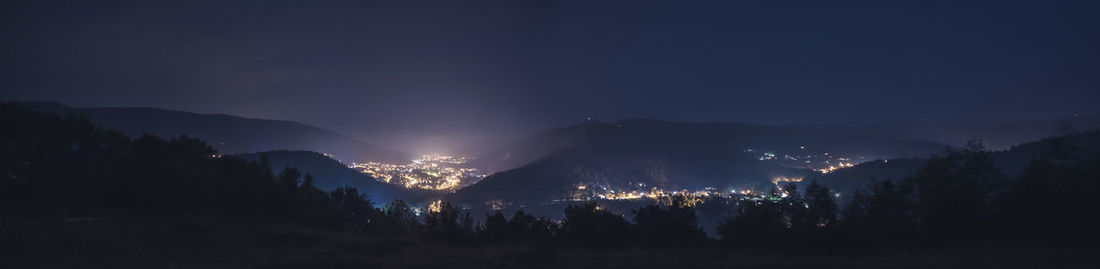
column 996, row 136
column 1010, row 161
column 229, row 134
column 631, row 152
column 674, row 155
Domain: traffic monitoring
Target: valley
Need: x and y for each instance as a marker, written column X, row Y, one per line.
column 430, row 172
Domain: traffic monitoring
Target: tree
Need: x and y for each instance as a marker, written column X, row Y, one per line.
column 669, row 226
column 289, row 178
column 447, row 222
column 881, row 217
column 591, row 225
column 399, row 217
column 821, row 204
column 953, row 196
column 495, row 229
column 356, row 208
column 757, row 224
column 528, row 228
column 1053, row 197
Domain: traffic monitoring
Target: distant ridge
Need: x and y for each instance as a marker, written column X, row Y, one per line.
column 670, row 155
column 996, row 136
column 229, row 134
column 695, row 154
column 1010, row 161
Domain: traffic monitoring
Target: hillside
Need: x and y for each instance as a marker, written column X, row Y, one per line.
column 1010, row 161
column 995, row 135
column 878, row 141
column 533, row 148
column 675, row 156
column 228, row 134
column 331, row 174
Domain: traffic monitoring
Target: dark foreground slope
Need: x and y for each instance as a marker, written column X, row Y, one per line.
column 228, row 134
column 75, row 195
column 198, row 244
column 68, row 168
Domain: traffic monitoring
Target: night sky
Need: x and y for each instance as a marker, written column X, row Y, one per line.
column 463, row 70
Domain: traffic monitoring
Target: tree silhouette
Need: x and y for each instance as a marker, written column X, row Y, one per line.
column 669, row 226
column 1052, row 197
column 757, row 224
column 880, row 218
column 356, row 207
column 399, row 217
column 448, row 223
column 953, row 196
column 495, row 229
column 590, row 225
column 528, row 228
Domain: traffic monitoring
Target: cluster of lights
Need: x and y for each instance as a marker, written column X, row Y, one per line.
column 588, row 192
column 435, row 206
column 594, row 191
column 832, row 168
column 432, row 172
column 823, row 163
column 777, row 180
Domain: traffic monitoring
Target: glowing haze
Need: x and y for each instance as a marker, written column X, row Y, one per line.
column 433, row 77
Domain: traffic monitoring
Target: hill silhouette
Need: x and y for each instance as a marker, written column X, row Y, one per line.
column 879, row 141
column 228, row 134
column 670, row 155
column 1010, row 161
column 330, row 174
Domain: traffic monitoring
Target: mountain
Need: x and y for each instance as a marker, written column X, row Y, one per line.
column 229, row 134
column 330, row 174
column 1010, row 161
column 672, row 156
column 996, row 136
column 696, row 155
column 531, row 149
column 870, row 143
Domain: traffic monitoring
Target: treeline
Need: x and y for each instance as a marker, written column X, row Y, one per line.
column 957, row 199
column 61, row 167
column 64, row 167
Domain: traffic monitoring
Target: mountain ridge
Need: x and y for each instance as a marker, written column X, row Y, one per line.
column 228, row 133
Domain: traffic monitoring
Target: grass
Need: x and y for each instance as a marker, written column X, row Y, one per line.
column 199, row 243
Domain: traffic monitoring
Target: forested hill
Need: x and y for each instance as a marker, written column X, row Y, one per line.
column 1011, row 162
column 330, row 174
column 62, row 167
column 672, row 155
column 228, row 134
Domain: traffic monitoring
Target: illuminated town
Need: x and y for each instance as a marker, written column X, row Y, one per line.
column 432, row 172
column 639, row 191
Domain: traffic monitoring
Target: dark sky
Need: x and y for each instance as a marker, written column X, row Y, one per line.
column 422, row 71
